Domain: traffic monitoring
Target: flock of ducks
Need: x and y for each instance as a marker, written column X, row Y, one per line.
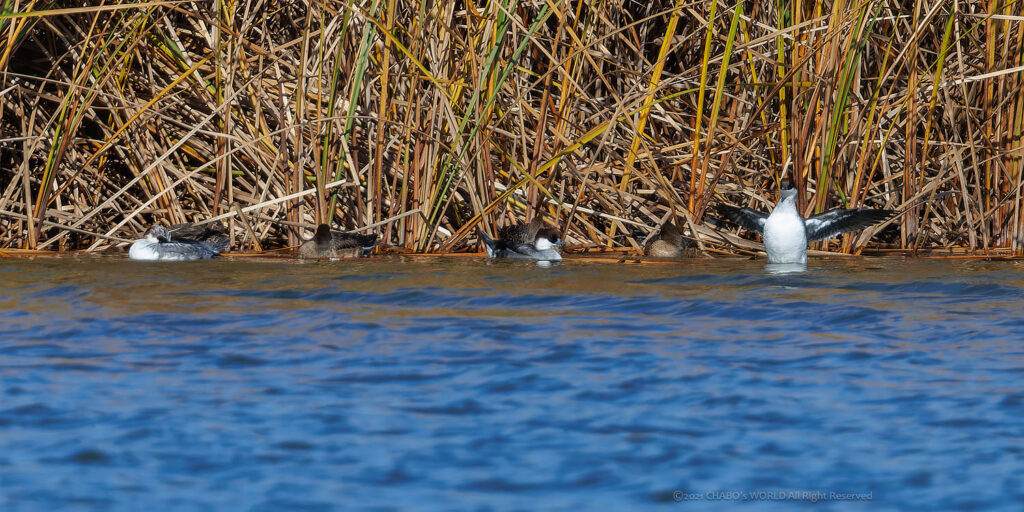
column 188, row 242
column 784, row 231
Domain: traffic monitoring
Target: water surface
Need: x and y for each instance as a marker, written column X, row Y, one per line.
column 459, row 385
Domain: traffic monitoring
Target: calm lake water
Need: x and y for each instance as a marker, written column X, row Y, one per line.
column 459, row 385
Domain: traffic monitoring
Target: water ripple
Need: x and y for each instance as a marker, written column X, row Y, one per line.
column 388, row 386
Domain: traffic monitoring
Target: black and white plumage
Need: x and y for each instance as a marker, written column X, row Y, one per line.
column 786, row 233
column 333, row 244
column 158, row 243
column 515, row 242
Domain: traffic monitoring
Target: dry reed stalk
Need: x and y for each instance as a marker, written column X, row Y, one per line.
column 612, row 116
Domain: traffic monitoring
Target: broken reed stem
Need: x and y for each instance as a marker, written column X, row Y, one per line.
column 435, row 115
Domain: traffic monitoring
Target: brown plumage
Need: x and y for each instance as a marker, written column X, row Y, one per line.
column 522, row 233
column 333, row 244
column 669, row 243
column 212, row 233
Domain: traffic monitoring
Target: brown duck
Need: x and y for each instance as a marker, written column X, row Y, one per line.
column 669, row 243
column 333, row 244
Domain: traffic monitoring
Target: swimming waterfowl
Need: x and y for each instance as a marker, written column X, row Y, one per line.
column 515, row 242
column 669, row 243
column 333, row 244
column 159, row 244
column 786, row 233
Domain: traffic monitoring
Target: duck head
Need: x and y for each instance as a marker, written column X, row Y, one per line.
column 786, row 189
column 548, row 238
column 157, row 234
column 323, row 234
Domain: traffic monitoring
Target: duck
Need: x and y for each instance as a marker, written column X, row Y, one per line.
column 333, row 244
column 525, row 241
column 669, row 243
column 786, row 233
column 159, row 244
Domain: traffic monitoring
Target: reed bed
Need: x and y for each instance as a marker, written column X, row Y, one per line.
column 426, row 121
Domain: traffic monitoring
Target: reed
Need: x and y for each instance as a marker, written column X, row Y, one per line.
column 430, row 120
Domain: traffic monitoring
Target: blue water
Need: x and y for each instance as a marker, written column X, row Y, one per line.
column 457, row 385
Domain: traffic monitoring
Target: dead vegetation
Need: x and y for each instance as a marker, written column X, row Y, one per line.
column 425, row 121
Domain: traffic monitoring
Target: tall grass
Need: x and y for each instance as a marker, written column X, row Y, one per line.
column 429, row 120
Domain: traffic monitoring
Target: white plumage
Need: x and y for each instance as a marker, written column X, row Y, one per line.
column 786, row 233
column 785, row 236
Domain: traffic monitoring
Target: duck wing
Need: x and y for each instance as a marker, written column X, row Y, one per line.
column 835, row 222
column 213, row 236
column 185, row 250
column 215, row 245
column 659, row 248
column 503, row 249
column 309, row 249
column 514, row 233
column 352, row 240
column 746, row 218
column 521, row 233
column 515, row 251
